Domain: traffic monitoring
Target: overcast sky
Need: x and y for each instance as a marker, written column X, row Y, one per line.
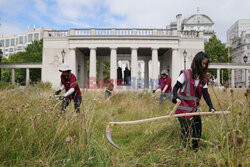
column 17, row 15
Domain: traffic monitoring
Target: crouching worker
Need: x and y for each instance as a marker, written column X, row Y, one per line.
column 192, row 84
column 109, row 89
column 72, row 90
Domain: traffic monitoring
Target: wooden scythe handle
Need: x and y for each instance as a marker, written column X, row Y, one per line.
column 175, row 107
column 168, row 116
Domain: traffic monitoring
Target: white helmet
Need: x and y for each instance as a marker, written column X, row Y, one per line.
column 164, row 72
column 64, row 67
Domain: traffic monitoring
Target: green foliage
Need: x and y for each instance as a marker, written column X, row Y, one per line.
column 218, row 53
column 33, row 53
column 106, row 70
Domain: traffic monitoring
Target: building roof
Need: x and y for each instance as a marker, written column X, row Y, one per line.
column 198, row 19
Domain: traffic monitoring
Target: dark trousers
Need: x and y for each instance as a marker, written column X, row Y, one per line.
column 191, row 127
column 77, row 103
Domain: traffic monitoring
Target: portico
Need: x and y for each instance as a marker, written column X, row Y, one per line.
column 86, row 49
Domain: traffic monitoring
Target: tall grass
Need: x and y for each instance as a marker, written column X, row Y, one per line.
column 33, row 133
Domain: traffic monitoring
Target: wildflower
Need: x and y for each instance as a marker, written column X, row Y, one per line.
column 68, row 139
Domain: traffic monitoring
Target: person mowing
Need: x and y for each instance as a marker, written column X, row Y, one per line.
column 72, row 90
column 192, row 84
column 165, row 85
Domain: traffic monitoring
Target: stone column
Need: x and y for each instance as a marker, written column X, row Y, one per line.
column 113, row 65
column 218, row 77
column 247, row 83
column 155, row 69
column 176, row 66
column 232, row 77
column 92, row 68
column 72, row 61
column 27, row 76
column 13, row 76
column 134, row 59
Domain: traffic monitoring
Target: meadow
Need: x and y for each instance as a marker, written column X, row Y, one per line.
column 34, row 133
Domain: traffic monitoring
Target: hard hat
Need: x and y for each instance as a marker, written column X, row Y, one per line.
column 164, row 72
column 64, row 67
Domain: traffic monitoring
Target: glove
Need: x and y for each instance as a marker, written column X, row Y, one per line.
column 174, row 100
column 154, row 91
column 58, row 92
column 61, row 97
column 211, row 109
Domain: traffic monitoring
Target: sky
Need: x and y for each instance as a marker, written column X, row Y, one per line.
column 17, row 15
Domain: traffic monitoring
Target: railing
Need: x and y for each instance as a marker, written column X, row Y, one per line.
column 82, row 31
column 58, row 33
column 121, row 32
column 189, row 34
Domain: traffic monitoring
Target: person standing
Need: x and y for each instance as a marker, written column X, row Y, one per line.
column 119, row 76
column 165, row 86
column 72, row 90
column 192, row 84
column 127, row 76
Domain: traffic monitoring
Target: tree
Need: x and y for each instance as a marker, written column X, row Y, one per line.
column 33, row 53
column 218, row 53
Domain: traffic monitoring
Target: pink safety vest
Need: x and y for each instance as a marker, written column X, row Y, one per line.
column 191, row 95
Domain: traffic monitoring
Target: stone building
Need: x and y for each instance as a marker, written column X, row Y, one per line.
column 156, row 49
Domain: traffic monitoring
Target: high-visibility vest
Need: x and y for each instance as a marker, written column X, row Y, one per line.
column 191, row 95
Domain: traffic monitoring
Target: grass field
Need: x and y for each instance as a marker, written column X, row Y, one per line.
column 32, row 132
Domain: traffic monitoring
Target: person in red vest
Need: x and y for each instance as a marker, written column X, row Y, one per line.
column 192, row 84
column 72, row 90
column 165, row 85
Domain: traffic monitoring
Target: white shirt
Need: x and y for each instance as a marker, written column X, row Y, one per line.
column 182, row 80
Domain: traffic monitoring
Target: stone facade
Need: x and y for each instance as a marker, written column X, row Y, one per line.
column 197, row 22
column 236, row 29
column 238, row 37
column 240, row 48
column 156, row 49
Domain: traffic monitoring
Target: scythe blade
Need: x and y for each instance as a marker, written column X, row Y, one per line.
column 108, row 136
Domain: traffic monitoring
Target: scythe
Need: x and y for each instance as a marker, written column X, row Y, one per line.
column 108, row 128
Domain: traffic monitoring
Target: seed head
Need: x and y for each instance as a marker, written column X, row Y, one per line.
column 239, row 141
column 226, row 85
column 231, row 90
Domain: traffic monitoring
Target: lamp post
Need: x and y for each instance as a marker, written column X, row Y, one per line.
column 245, row 59
column 63, row 55
column 1, row 55
column 246, row 71
column 185, row 56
